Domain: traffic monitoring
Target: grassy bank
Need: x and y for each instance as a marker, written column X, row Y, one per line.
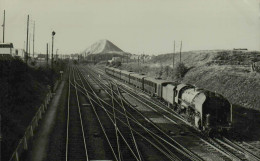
column 22, row 91
column 226, row 72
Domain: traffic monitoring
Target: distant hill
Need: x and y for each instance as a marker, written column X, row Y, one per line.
column 228, row 72
column 207, row 57
column 102, row 47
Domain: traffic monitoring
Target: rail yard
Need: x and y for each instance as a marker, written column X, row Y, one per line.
column 130, row 80
column 109, row 119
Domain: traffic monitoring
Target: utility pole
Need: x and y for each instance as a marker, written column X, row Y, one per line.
column 4, row 28
column 26, row 54
column 33, row 37
column 47, row 58
column 29, row 45
column 173, row 55
column 57, row 54
column 138, row 65
column 180, row 51
column 143, row 57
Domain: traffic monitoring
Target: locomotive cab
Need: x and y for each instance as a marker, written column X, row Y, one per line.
column 216, row 112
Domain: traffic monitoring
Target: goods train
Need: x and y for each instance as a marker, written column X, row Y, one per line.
column 207, row 111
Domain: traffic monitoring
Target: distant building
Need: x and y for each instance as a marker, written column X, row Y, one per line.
column 19, row 53
column 240, row 49
column 7, row 50
column 41, row 57
column 115, row 59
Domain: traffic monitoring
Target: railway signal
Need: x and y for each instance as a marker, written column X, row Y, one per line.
column 53, row 34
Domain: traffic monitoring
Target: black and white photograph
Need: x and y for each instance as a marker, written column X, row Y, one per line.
column 130, row 80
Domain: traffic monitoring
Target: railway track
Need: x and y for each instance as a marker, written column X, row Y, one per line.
column 182, row 148
column 161, row 147
column 227, row 150
column 75, row 140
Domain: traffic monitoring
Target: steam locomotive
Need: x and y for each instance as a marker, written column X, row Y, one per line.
column 207, row 111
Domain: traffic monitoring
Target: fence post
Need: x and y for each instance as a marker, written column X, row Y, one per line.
column 25, row 145
column 40, row 113
column 31, row 130
column 16, row 156
column 42, row 108
column 36, row 119
column 45, row 104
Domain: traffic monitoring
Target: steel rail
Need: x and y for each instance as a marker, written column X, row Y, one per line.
column 135, row 121
column 116, row 130
column 82, row 128
column 116, row 109
column 162, row 151
column 241, row 149
column 231, row 155
column 122, row 105
column 71, row 72
column 167, row 136
column 68, row 118
column 188, row 151
column 112, row 121
column 216, row 148
column 100, row 123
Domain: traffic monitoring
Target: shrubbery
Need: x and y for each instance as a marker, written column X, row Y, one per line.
column 181, row 70
column 116, row 64
column 22, row 90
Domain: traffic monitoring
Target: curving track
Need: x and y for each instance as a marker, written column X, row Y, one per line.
column 219, row 148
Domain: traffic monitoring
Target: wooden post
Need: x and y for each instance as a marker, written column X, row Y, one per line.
column 25, row 145
column 4, row 28
column 26, row 54
column 36, row 119
column 31, row 130
column 47, row 52
column 16, row 156
column 173, row 54
column 180, row 51
column 40, row 114
column 33, row 36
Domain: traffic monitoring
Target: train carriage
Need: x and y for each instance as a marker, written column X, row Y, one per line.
column 137, row 80
column 109, row 70
column 154, row 86
column 117, row 73
column 125, row 76
column 205, row 110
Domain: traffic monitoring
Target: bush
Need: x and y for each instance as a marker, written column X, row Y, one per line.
column 181, row 70
column 23, row 88
column 116, row 64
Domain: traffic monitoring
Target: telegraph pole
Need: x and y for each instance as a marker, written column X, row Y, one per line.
column 173, row 54
column 33, row 36
column 26, row 55
column 47, row 58
column 143, row 57
column 180, row 51
column 4, row 28
column 30, row 45
column 57, row 54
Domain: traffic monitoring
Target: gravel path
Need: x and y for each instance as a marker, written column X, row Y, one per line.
column 41, row 139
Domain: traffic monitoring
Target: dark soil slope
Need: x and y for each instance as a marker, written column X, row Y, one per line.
column 22, row 90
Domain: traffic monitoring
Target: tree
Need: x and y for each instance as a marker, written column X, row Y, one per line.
column 181, row 70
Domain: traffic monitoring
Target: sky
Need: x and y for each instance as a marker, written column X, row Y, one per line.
column 136, row 26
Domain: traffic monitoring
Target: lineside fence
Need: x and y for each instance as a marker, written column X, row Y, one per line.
column 31, row 129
